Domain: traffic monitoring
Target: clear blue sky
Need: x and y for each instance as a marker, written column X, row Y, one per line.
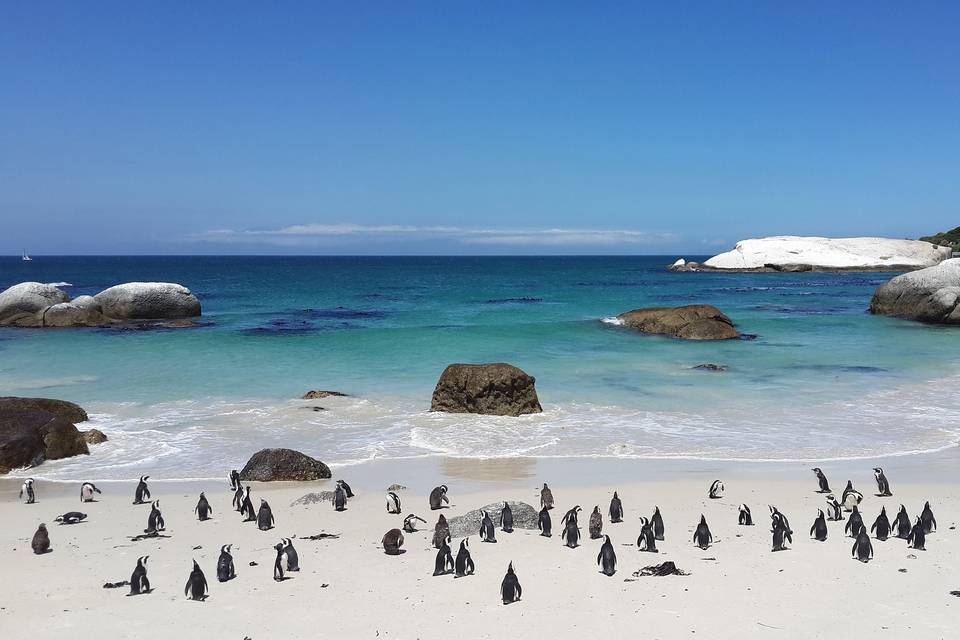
column 485, row 127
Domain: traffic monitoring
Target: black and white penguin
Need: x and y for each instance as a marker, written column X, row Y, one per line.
column 607, row 558
column 225, row 569
column 926, row 517
column 203, row 509
column 238, row 496
column 487, row 532
column 87, row 490
column 716, row 489
column 410, row 523
column 393, row 503
column 819, row 529
column 596, row 524
column 780, row 530
column 71, row 517
column 917, row 538
column 278, row 563
column 438, row 497
column 346, row 488
column 246, row 506
column 821, row 481
column 572, row 514
column 851, row 497
column 862, row 548
column 702, row 536
column 155, row 521
column 138, row 579
column 393, row 540
column 290, row 553
column 616, row 509
column 546, row 497
column 834, row 509
column 776, row 515
column 27, row 489
column 234, row 480
column 571, row 529
column 441, row 531
column 881, row 526
column 745, row 518
column 647, row 541
column 264, row 516
column 855, row 523
column 142, row 494
column 510, row 589
column 444, row 562
column 41, row 540
column 656, row 521
column 196, row 587
column 339, row 500
column 883, row 487
column 544, row 524
column 463, row 566
column 506, row 518
column 901, row 524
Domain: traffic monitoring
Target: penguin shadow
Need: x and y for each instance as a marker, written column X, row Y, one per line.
column 283, row 579
column 43, row 553
column 70, row 524
column 511, row 602
column 398, row 552
column 142, row 593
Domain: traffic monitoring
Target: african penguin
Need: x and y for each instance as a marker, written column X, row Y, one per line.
column 506, row 518
column 834, row 509
column 339, row 500
column 246, row 506
column 293, row 558
column 596, row 524
column 821, row 481
column 926, row 517
column 851, row 497
column 27, row 488
column 881, row 526
column 716, row 489
column 510, row 589
column 238, row 496
column 702, row 536
column 410, row 523
column 393, row 502
column 656, row 521
column 196, row 587
column 278, row 563
column 745, row 518
column 393, row 540
column 862, row 548
column 155, row 521
column 917, row 538
column 225, row 569
column 607, row 558
column 855, row 523
column 571, row 529
column 264, row 516
column 647, row 540
column 902, row 523
column 776, row 515
column 441, row 531
column 41, row 540
column 438, row 497
column 71, row 517
column 780, row 530
column 546, row 497
column 87, row 489
column 487, row 532
column 444, row 562
column 203, row 509
column 346, row 488
column 616, row 509
column 463, row 566
column 819, row 529
column 142, row 494
column 883, row 487
column 234, row 480
column 138, row 579
column 544, row 524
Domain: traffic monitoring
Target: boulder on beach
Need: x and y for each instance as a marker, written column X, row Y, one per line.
column 492, row 389
column 94, row 436
column 22, row 305
column 61, row 408
column 30, row 436
column 269, row 465
column 928, row 295
column 320, row 394
column 524, row 517
column 148, row 301
column 691, row 322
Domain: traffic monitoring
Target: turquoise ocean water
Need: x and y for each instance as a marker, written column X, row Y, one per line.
column 822, row 379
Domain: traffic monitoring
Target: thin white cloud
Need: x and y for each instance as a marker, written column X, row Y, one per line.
column 307, row 234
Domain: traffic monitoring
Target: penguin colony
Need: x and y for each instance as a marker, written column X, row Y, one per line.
column 651, row 529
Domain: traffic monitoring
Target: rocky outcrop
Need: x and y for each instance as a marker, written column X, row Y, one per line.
column 795, row 254
column 524, row 517
column 492, row 389
column 928, row 295
column 692, row 322
column 61, row 408
column 28, row 437
column 94, row 436
column 318, row 395
column 269, row 465
column 131, row 305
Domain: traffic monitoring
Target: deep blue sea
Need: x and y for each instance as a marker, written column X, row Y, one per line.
column 823, row 378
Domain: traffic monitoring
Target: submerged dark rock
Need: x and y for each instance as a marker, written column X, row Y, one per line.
column 320, row 394
column 690, row 322
column 492, row 389
column 711, row 367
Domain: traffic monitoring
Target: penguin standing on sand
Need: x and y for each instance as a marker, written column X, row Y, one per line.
column 819, row 529
column 506, row 518
column 346, row 488
column 616, row 509
column 463, row 566
column 780, row 530
column 745, row 518
column 510, row 589
column 487, row 532
column 238, row 496
column 926, row 517
column 546, row 497
column 851, row 497
column 71, row 517
column 264, row 516
column 544, row 524
column 716, row 490
column 438, row 497
column 441, row 531
column 883, row 487
column 881, row 526
column 901, row 523
column 234, row 481
column 138, row 580
column 393, row 540
column 203, row 509
column 596, row 524
column 702, row 536
column 410, row 523
column 444, row 562
column 142, row 494
column 87, row 490
column 41, row 540
column 862, row 549
column 607, row 558
column 834, row 509
column 293, row 558
column 155, row 521
column 656, row 521
column 855, row 523
column 278, row 563
column 27, row 488
column 916, row 540
column 571, row 529
column 821, row 481
column 196, row 587
column 246, row 506
column 776, row 515
column 393, row 503
column 647, row 541
column 339, row 500
column 225, row 569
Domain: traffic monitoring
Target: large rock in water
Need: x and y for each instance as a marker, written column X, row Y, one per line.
column 268, row 465
column 148, row 301
column 22, row 305
column 30, row 436
column 492, row 389
column 692, row 322
column 524, row 517
column 927, row 295
column 61, row 408
column 796, row 253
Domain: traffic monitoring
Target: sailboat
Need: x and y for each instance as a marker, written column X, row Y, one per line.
column 25, row 256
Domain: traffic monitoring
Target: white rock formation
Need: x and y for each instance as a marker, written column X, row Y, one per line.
column 928, row 295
